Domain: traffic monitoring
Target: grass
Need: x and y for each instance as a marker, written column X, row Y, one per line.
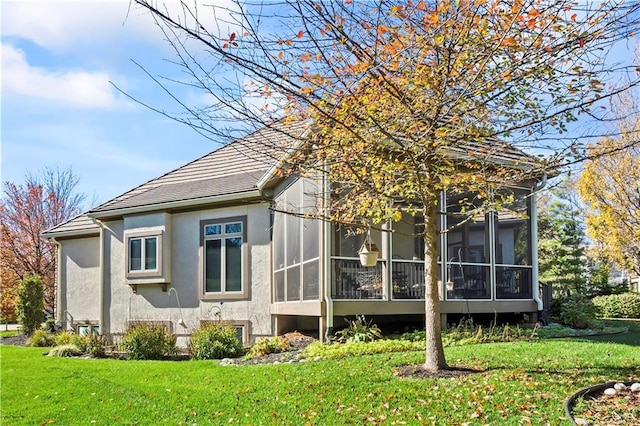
column 522, row 383
column 9, row 333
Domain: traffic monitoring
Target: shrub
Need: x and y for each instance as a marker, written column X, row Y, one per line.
column 271, row 345
column 317, row 349
column 577, row 312
column 95, row 345
column 30, row 303
column 215, row 341
column 63, row 338
column 67, row 350
column 358, row 331
column 79, row 341
column 148, row 341
column 41, row 338
column 414, row 336
column 626, row 305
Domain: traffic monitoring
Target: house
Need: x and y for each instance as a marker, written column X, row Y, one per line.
column 204, row 243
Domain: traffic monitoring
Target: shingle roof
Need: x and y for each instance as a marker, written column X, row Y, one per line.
column 234, row 168
column 79, row 225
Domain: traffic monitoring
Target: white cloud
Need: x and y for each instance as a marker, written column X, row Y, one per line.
column 59, row 24
column 69, row 24
column 72, row 88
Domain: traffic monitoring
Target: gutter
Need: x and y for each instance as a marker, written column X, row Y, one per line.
column 94, row 215
column 70, row 234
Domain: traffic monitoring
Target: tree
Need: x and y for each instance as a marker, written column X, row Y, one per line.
column 610, row 188
column 30, row 303
column 8, row 296
column 45, row 200
column 562, row 244
column 404, row 99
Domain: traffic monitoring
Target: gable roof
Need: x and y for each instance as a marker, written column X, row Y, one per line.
column 231, row 172
column 239, row 171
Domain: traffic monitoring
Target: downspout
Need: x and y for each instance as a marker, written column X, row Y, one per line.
column 326, row 240
column 534, row 243
column 61, row 310
column 101, row 257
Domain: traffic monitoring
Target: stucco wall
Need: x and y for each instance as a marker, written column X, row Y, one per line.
column 151, row 303
column 80, row 276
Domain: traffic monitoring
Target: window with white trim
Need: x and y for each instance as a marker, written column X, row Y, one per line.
column 224, row 256
column 143, row 254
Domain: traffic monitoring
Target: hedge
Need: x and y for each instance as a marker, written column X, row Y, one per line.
column 625, row 305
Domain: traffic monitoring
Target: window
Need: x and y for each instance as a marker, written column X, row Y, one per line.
column 88, row 329
column 144, row 254
column 223, row 244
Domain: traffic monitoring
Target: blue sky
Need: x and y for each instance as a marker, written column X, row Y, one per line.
column 60, row 110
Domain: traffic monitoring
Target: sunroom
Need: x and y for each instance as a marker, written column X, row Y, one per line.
column 485, row 264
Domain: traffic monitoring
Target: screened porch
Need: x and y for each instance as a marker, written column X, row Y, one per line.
column 489, row 258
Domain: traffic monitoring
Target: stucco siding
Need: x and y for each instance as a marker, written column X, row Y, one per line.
column 80, row 275
column 187, row 270
column 182, row 299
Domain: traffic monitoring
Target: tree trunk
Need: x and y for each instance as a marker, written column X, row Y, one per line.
column 434, row 350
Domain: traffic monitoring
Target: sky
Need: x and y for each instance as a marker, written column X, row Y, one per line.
column 60, row 109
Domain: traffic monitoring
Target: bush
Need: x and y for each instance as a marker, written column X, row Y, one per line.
column 148, row 341
column 95, row 345
column 215, row 341
column 63, row 338
column 41, row 338
column 577, row 312
column 626, row 305
column 358, row 331
column 30, row 303
column 317, row 349
column 67, row 350
column 271, row 345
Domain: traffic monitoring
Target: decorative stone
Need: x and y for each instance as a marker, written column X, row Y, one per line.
column 318, row 358
column 619, row 386
column 610, row 391
column 635, row 387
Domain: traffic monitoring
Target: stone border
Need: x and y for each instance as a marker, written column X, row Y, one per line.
column 589, row 390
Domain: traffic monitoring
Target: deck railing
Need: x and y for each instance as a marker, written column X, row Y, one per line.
column 407, row 279
column 352, row 281
column 514, row 282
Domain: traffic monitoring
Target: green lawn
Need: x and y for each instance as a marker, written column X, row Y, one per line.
column 522, row 383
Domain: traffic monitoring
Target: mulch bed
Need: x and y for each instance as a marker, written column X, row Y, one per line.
column 418, row 371
column 596, row 408
column 17, row 340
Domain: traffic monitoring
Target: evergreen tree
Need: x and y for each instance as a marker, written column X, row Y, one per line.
column 562, row 245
